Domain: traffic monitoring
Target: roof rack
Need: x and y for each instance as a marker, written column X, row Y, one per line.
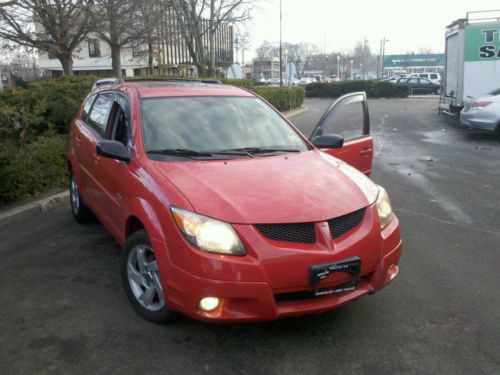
column 160, row 79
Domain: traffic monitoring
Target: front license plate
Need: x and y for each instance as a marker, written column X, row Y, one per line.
column 319, row 272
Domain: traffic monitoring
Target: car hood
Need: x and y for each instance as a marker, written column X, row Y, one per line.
column 303, row 187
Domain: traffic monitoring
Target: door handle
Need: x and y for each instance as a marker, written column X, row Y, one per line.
column 78, row 139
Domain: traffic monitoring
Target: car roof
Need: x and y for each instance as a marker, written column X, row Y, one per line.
column 167, row 88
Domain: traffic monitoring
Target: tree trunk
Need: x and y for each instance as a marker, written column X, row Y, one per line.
column 116, row 61
column 150, row 57
column 67, row 64
column 211, row 33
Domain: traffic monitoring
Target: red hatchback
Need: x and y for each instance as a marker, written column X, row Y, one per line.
column 225, row 211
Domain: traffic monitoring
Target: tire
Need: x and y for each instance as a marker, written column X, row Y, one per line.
column 141, row 279
column 81, row 213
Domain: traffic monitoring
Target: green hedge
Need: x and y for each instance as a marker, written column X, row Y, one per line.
column 283, row 98
column 35, row 167
column 42, row 106
column 374, row 89
column 34, row 122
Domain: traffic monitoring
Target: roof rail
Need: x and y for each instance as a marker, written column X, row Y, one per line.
column 166, row 79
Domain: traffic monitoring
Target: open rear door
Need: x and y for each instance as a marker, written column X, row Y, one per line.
column 348, row 117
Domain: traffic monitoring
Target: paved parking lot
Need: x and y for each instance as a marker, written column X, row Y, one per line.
column 62, row 308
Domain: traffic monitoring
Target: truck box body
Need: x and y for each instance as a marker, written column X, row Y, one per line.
column 472, row 60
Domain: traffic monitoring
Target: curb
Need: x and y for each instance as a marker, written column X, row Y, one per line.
column 38, row 207
column 295, row 112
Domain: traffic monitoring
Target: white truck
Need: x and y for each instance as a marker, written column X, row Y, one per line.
column 472, row 59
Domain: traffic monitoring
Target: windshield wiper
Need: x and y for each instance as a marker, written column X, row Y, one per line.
column 180, row 152
column 196, row 154
column 264, row 150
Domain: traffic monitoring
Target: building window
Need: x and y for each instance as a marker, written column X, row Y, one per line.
column 94, row 50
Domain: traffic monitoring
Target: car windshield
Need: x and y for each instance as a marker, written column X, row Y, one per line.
column 209, row 124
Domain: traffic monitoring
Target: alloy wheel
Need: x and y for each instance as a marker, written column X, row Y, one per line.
column 144, row 279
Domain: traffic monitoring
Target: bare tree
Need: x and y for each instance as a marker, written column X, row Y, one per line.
column 242, row 41
column 151, row 13
column 193, row 15
column 116, row 22
column 54, row 26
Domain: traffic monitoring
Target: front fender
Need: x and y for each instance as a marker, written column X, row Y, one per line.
column 147, row 215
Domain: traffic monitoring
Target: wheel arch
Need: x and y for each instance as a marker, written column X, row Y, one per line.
column 141, row 215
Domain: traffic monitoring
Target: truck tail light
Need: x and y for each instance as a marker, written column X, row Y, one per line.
column 480, row 105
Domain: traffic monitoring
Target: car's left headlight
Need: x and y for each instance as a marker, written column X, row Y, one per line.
column 210, row 235
column 384, row 207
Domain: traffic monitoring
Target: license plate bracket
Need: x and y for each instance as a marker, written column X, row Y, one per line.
column 319, row 272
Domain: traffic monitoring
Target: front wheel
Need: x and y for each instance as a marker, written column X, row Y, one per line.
column 141, row 279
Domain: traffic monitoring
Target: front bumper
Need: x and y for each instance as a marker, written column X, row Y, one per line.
column 251, row 296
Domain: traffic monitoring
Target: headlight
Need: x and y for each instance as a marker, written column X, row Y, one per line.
column 384, row 207
column 208, row 234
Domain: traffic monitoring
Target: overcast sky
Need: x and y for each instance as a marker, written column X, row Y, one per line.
column 337, row 25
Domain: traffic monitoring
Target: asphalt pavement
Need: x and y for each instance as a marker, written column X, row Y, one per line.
column 63, row 310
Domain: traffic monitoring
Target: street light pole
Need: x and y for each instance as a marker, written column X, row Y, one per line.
column 338, row 67
column 383, row 54
column 281, row 54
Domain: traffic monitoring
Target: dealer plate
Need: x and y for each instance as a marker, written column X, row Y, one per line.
column 319, row 272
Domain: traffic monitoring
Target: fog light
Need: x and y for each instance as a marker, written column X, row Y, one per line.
column 392, row 272
column 209, row 303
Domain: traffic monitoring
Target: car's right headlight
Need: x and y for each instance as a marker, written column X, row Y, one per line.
column 384, row 207
column 210, row 235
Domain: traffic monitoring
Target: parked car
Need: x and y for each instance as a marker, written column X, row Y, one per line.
column 223, row 209
column 482, row 113
column 305, row 81
column 106, row 81
column 433, row 77
column 394, row 78
column 274, row 82
column 419, row 85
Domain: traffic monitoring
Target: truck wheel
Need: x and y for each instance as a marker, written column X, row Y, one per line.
column 80, row 211
column 141, row 279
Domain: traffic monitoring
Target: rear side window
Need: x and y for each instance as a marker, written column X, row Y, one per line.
column 98, row 117
column 424, row 81
column 434, row 76
column 86, row 107
column 413, row 80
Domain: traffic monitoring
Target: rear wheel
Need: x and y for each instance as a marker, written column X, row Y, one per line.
column 141, row 279
column 80, row 211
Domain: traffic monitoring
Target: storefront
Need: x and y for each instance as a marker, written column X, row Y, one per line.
column 413, row 63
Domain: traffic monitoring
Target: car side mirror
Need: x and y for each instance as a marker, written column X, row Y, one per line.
column 113, row 150
column 328, row 141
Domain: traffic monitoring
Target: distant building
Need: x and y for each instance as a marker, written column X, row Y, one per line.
column 413, row 63
column 267, row 67
column 171, row 55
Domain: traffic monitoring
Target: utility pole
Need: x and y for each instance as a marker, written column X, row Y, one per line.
column 383, row 54
column 281, row 54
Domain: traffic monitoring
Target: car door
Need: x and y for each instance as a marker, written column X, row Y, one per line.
column 94, row 132
column 112, row 174
column 348, row 117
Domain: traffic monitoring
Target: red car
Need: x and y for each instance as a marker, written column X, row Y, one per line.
column 225, row 211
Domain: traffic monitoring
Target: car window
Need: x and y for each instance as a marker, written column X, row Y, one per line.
column 434, row 76
column 120, row 123
column 403, row 80
column 214, row 124
column 86, row 107
column 413, row 80
column 424, row 81
column 347, row 121
column 99, row 114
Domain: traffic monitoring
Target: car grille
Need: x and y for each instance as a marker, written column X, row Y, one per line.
column 299, row 233
column 305, row 232
column 343, row 224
